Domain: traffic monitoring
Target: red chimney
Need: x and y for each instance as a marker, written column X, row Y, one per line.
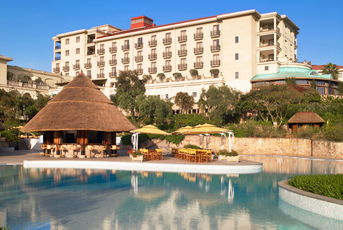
column 142, row 21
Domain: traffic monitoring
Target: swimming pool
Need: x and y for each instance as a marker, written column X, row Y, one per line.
column 109, row 199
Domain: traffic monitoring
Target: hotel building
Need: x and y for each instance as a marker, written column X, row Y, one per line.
column 223, row 49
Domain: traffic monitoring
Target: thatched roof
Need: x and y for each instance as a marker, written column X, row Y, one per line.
column 305, row 118
column 79, row 106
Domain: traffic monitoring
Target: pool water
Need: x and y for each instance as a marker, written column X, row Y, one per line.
column 109, row 199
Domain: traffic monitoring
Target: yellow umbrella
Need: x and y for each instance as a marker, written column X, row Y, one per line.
column 205, row 129
column 150, row 129
column 181, row 130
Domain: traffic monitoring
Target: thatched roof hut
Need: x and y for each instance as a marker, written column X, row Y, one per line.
column 79, row 106
column 305, row 118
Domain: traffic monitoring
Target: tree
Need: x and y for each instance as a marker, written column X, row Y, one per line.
column 38, row 81
column 220, row 101
column 331, row 69
column 152, row 109
column 184, row 101
column 26, row 78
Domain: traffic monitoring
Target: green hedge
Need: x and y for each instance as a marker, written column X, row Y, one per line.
column 176, row 139
column 325, row 185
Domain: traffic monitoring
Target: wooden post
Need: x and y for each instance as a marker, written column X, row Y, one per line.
column 82, row 140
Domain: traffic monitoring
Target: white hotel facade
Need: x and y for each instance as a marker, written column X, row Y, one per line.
column 238, row 45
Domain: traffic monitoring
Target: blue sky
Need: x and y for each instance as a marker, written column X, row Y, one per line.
column 27, row 27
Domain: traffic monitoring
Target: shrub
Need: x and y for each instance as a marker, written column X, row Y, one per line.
column 161, row 76
column 214, row 72
column 176, row 139
column 11, row 135
column 325, row 185
column 191, row 146
column 233, row 153
column 223, row 152
column 307, row 132
column 333, row 133
column 194, row 73
column 177, row 76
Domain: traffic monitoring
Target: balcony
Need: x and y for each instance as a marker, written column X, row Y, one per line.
column 182, row 67
column 198, row 65
column 167, row 68
column 182, row 53
column 57, row 47
column 182, row 38
column 215, row 63
column 152, row 43
column 66, row 68
column 101, row 63
column 125, row 60
column 139, row 71
column 139, row 45
column 152, row 57
column 113, row 49
column 112, row 74
column 215, row 33
column 88, row 65
column 101, row 51
column 167, row 41
column 198, row 50
column 56, row 70
column 215, row 48
column 198, row 36
column 57, row 58
column 90, row 52
column 125, row 47
column 152, row 70
column 167, row 54
column 76, row 67
column 268, row 59
column 139, row 58
column 101, row 75
column 113, row 62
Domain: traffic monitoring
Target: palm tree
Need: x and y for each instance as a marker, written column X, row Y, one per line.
column 331, row 69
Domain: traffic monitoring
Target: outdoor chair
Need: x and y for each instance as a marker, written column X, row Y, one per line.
column 159, row 153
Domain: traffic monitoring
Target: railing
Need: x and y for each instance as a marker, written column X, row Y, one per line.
column 113, row 62
column 198, row 50
column 139, row 71
column 182, row 53
column 167, row 54
column 198, row 65
column 112, row 74
column 101, row 75
column 57, row 58
column 58, row 47
column 56, row 70
column 269, row 28
column 101, row 63
column 215, row 48
column 198, row 36
column 167, row 41
column 139, row 45
column 152, row 70
column 14, row 83
column 167, row 68
column 266, row 59
column 101, row 51
column 27, row 85
column 152, row 57
column 42, row 87
column 88, row 65
column 125, row 47
column 90, row 52
column 215, row 33
column 139, row 58
column 215, row 63
column 152, row 43
column 182, row 38
column 125, row 60
column 76, row 67
column 66, row 68
column 90, row 40
column 182, row 66
column 113, row 49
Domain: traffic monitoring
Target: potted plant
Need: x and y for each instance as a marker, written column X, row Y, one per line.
column 135, row 155
column 194, row 73
column 214, row 72
column 232, row 156
column 177, row 76
column 161, row 76
column 222, row 154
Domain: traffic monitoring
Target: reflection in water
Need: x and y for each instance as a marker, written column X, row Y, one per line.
column 109, row 199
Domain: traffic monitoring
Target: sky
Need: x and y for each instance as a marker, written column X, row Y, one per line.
column 27, row 27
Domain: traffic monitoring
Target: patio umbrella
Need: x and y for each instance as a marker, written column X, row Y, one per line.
column 148, row 129
column 180, row 131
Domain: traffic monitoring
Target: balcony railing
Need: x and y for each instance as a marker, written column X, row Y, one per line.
column 215, row 63
column 215, row 33
column 139, row 71
column 113, row 62
column 182, row 52
column 152, row 57
column 152, row 43
column 167, row 41
column 90, row 52
column 113, row 49
column 266, row 59
column 152, row 70
column 66, row 68
column 101, row 75
column 139, row 45
column 182, row 38
column 182, row 66
column 57, row 47
column 167, row 68
column 198, row 36
column 90, row 40
column 57, row 58
column 198, row 65
column 88, row 65
column 125, row 60
column 198, row 50
column 56, row 70
column 215, row 48
column 139, row 58
column 76, row 67
column 167, row 54
column 101, row 63
column 112, row 74
column 125, row 47
column 101, row 51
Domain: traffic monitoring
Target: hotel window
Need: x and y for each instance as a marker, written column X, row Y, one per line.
column 77, row 73
column 77, row 62
column 168, row 63
column 194, row 94
column 183, row 47
column 215, row 57
column 139, row 53
column 67, row 52
column 321, row 90
column 168, row 36
column 89, row 60
column 57, row 65
column 199, row 30
column 89, row 74
column 126, row 55
column 153, row 64
column 168, row 49
column 126, row 42
column 78, row 51
column 114, row 57
column 67, row 74
column 140, row 42
column 199, row 45
column 114, row 44
column 139, row 66
column 77, row 39
column 236, row 39
column 153, row 37
column 236, row 75
column 126, row 68
column 236, row 56
column 199, row 59
column 183, row 61
column 67, row 63
column 67, row 41
column 153, row 51
column 101, row 58
column 215, row 28
column 266, row 68
column 101, row 73
column 183, row 33
column 114, row 71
